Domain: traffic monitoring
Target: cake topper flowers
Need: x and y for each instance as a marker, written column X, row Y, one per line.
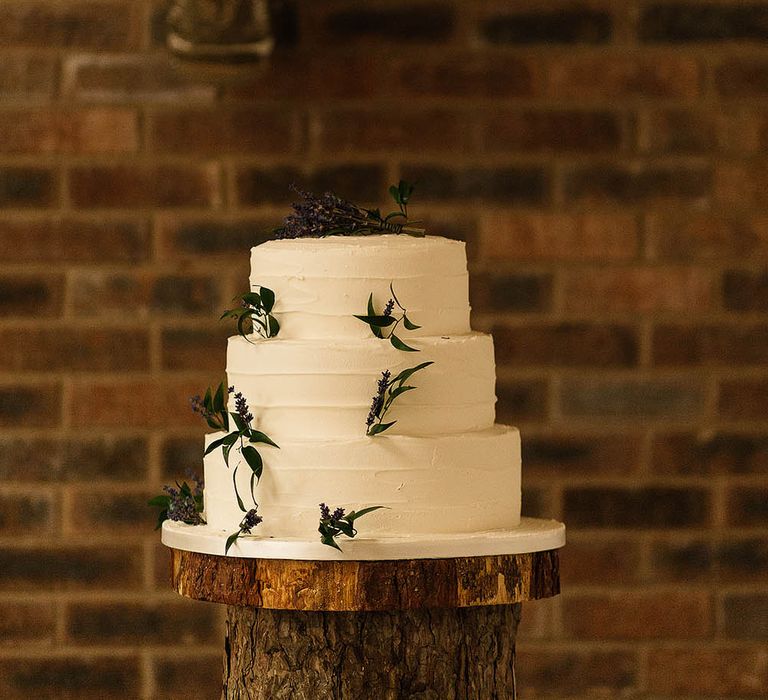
column 316, row 216
column 387, row 390
column 213, row 409
column 333, row 524
column 386, row 319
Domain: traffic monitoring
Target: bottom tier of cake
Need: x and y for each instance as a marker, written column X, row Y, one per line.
column 434, row 484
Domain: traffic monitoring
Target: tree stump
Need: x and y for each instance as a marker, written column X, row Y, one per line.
column 419, row 629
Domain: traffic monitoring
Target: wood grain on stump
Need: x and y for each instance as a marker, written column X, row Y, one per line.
column 407, row 584
column 421, row 629
column 440, row 654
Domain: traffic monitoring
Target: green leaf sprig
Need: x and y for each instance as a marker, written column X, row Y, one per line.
column 388, row 320
column 242, row 438
column 182, row 504
column 333, row 524
column 251, row 520
column 254, row 315
column 388, row 389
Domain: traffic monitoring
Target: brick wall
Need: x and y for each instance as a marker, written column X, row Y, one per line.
column 605, row 161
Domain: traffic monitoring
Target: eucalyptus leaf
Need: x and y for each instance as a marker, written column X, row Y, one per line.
column 258, row 436
column 372, row 312
column 377, row 321
column 379, row 428
column 346, row 528
column 219, row 403
column 162, row 516
column 252, row 298
column 394, row 296
column 231, row 540
column 355, row 514
column 159, row 501
column 273, row 327
column 254, row 460
column 399, row 390
column 409, row 325
column 240, row 503
column 267, row 300
column 406, row 373
column 328, row 540
column 400, row 345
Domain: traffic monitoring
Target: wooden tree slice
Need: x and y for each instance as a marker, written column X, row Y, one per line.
column 407, row 584
column 443, row 654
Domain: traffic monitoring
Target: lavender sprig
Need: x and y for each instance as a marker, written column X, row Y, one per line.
column 387, row 390
column 386, row 319
column 333, row 524
column 242, row 438
column 249, row 521
column 182, row 503
column 316, row 216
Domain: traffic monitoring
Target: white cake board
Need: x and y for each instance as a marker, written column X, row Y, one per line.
column 532, row 535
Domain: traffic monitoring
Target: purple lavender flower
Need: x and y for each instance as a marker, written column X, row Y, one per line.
column 389, row 307
column 251, row 520
column 337, row 514
column 325, row 512
column 241, row 406
column 377, row 402
column 182, row 506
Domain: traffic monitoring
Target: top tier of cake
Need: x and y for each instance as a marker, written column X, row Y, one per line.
column 320, row 283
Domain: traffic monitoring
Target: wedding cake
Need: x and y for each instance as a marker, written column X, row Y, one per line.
column 317, row 390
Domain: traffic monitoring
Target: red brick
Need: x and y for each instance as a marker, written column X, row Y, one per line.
column 74, row 349
column 182, row 453
column 636, row 289
column 135, row 78
column 187, row 677
column 745, row 290
column 633, row 615
column 545, row 236
column 741, row 185
column 128, row 186
column 21, row 514
column 28, row 187
column 234, row 131
column 409, row 130
column 81, row 25
column 745, row 399
column 73, row 240
column 746, row 616
column 679, row 131
column 547, row 673
column 27, row 623
column 575, row 454
column 94, row 511
column 195, row 348
column 566, row 345
column 24, row 295
column 591, row 561
column 149, row 403
column 64, row 567
column 181, row 622
column 710, row 345
column 689, row 22
column 521, row 400
column 690, row 236
column 637, row 507
column 514, row 292
column 537, row 131
column 28, row 78
column 683, row 561
column 742, row 559
column 193, row 238
column 742, row 77
column 70, row 677
column 722, row 671
column 73, row 460
column 296, row 73
column 748, row 506
column 96, row 293
column 710, row 453
column 32, row 405
column 637, row 184
column 563, row 25
column 623, row 76
column 96, row 130
column 469, row 76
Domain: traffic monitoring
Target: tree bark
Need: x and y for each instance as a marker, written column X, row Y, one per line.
column 427, row 654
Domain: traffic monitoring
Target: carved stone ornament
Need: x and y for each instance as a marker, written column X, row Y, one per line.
column 224, row 30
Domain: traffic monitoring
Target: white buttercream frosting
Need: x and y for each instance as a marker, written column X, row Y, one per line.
column 320, row 283
column 323, row 388
column 443, row 468
column 466, row 482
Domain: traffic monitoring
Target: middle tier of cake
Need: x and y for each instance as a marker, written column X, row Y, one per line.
column 431, row 485
column 324, row 388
